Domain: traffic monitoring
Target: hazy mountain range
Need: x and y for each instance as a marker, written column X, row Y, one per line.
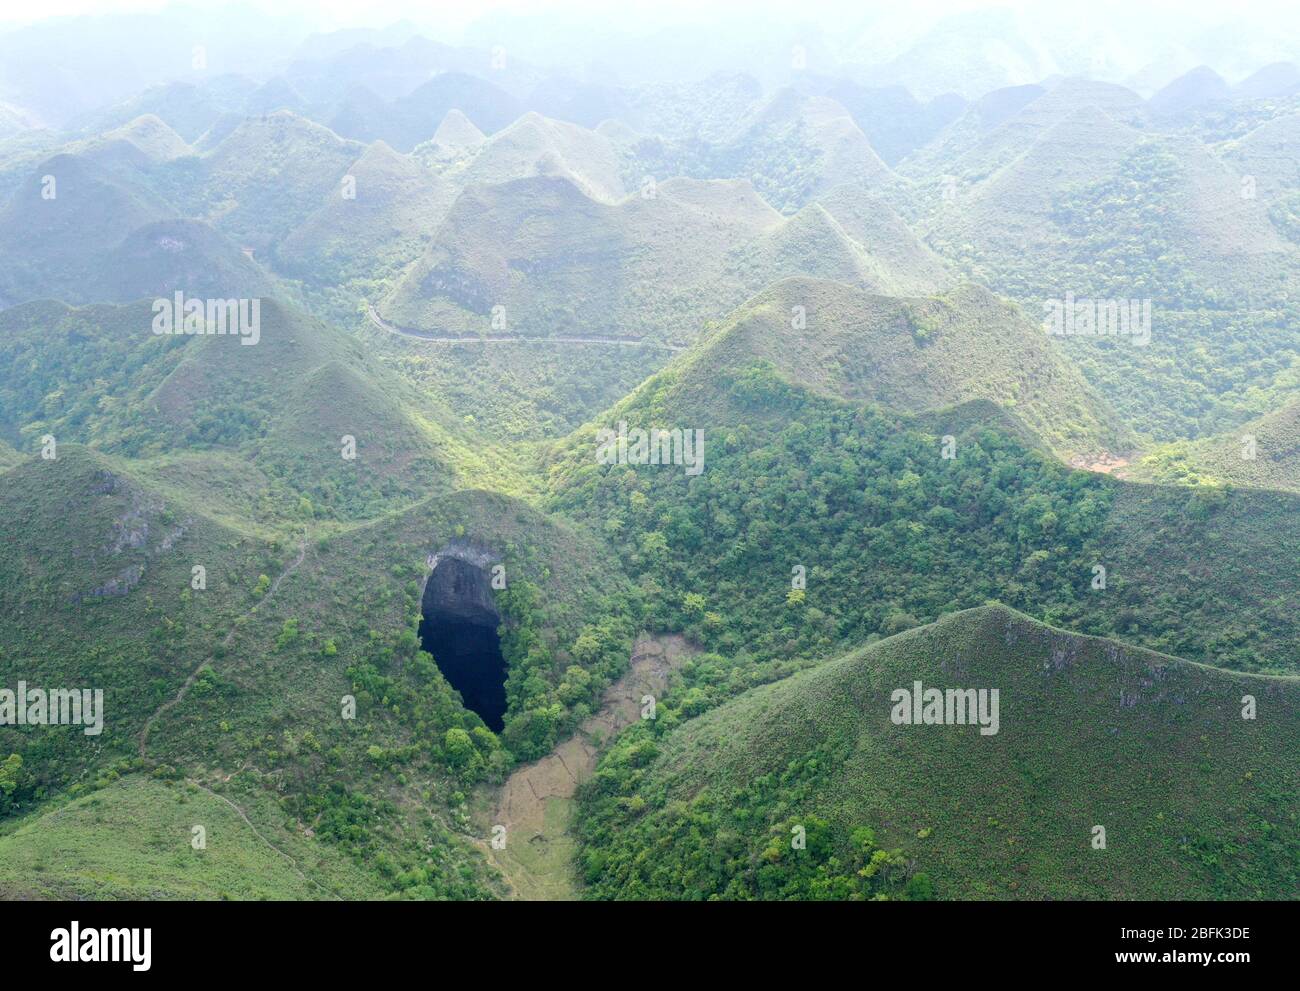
column 978, row 362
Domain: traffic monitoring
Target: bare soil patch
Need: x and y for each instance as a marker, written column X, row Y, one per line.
column 535, row 803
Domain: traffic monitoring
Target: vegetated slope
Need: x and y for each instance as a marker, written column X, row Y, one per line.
column 706, row 108
column 1192, row 89
column 1195, row 800
column 521, row 391
column 147, row 252
column 907, row 354
column 388, row 785
column 1016, row 200
column 393, row 459
column 900, row 262
column 361, row 590
column 1221, row 238
column 269, row 174
column 364, row 234
column 138, row 143
column 659, row 264
column 97, row 571
column 1277, row 79
column 20, row 153
column 1094, row 212
column 81, row 374
column 162, row 258
column 536, row 145
column 977, row 120
column 1003, row 125
column 67, row 213
column 98, row 375
column 363, row 115
column 793, row 146
column 14, row 121
column 456, row 136
column 1204, row 573
column 894, row 519
column 188, row 109
column 227, row 486
column 825, row 135
column 244, row 686
column 382, row 223
column 587, row 102
column 894, row 121
column 220, row 129
column 1263, row 453
column 133, row 839
column 813, row 242
column 409, row 120
column 1270, row 154
column 275, row 94
column 560, row 262
column 100, row 221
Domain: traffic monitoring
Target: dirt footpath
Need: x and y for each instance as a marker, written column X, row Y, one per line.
column 536, row 803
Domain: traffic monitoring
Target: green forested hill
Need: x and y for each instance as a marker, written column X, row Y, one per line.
column 63, row 216
column 889, row 532
column 246, row 679
column 98, row 375
column 1004, row 124
column 394, row 208
column 158, row 259
column 525, row 391
column 97, row 594
column 1195, row 801
column 659, row 265
column 540, row 247
column 794, row 145
column 139, row 143
column 907, row 354
column 904, row 264
column 406, row 122
column 186, row 108
column 456, row 135
column 307, row 160
column 536, row 145
column 1096, row 210
column 1269, row 153
column 1262, row 453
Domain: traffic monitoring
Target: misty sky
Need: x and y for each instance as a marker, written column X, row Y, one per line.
column 927, row 46
column 441, row 17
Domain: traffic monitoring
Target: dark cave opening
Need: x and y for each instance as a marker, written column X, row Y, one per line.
column 459, row 628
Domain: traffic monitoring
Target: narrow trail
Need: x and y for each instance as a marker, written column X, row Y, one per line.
column 225, row 641
column 258, row 833
column 184, row 689
column 425, row 335
column 536, row 802
column 475, row 841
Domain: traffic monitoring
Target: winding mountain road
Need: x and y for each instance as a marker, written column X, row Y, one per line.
column 425, row 335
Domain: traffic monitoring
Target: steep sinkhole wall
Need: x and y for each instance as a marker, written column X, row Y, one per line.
column 459, row 628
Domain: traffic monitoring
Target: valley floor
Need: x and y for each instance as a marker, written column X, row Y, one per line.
column 535, row 804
